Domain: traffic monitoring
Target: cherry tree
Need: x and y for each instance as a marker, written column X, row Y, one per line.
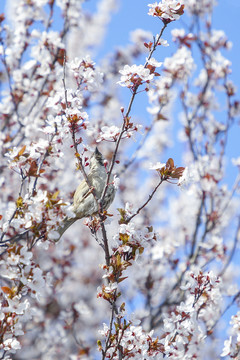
column 153, row 276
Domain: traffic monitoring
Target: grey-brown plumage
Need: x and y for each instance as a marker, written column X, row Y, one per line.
column 84, row 203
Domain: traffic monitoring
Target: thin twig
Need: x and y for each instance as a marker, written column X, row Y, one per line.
column 104, row 352
column 79, row 159
column 146, row 202
column 140, row 145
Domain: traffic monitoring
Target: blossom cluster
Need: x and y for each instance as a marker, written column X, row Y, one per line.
column 135, row 343
column 167, row 10
column 16, row 310
column 136, row 75
column 184, row 335
column 85, row 74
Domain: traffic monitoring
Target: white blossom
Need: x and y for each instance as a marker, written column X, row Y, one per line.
column 166, row 9
column 157, row 166
column 133, row 73
column 109, row 133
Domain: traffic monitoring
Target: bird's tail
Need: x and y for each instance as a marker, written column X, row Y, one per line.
column 66, row 223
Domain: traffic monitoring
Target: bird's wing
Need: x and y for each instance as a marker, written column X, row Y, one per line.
column 81, row 193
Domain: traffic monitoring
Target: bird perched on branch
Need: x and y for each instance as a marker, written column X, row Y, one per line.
column 87, row 195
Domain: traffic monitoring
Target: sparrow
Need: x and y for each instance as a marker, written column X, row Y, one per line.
column 84, row 203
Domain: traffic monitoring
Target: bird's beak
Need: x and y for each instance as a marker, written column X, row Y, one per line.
column 97, row 152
